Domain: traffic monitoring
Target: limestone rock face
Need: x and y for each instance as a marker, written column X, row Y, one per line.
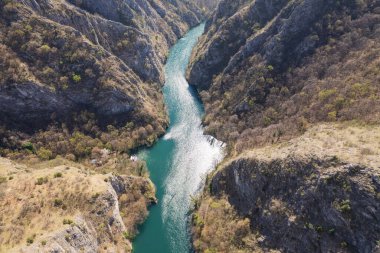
column 276, row 30
column 70, row 209
column 311, row 205
column 105, row 57
column 262, row 64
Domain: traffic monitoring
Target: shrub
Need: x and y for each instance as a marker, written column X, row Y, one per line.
column 332, row 115
column 28, row 145
column 58, row 174
column 29, row 240
column 41, row 180
column 319, row 229
column 48, row 72
column 197, row 219
column 344, row 206
column 325, row 94
column 28, row 28
column 18, row 34
column 67, row 222
column 360, row 90
column 309, row 226
column 128, row 236
column 44, row 154
column 3, row 180
column 43, row 242
column 58, row 202
column 45, row 49
column 76, row 78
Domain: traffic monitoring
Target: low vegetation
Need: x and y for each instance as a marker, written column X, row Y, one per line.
column 57, row 198
column 256, row 102
column 45, row 53
column 230, row 234
column 287, row 83
column 86, row 142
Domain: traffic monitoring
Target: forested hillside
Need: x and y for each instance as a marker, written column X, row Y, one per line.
column 87, row 73
column 293, row 88
column 80, row 87
column 266, row 69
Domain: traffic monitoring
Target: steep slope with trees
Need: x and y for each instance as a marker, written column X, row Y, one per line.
column 293, row 88
column 268, row 68
column 80, row 87
column 86, row 69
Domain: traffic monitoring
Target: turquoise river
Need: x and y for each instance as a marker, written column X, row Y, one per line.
column 179, row 161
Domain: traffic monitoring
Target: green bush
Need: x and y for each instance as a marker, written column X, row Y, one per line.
column 319, row 229
column 325, row 94
column 360, row 90
column 3, row 180
column 44, row 154
column 67, row 222
column 28, row 145
column 29, row 240
column 76, row 78
column 128, row 236
column 58, row 202
column 58, row 174
column 345, row 206
column 45, row 49
column 332, row 115
column 41, row 180
column 197, row 219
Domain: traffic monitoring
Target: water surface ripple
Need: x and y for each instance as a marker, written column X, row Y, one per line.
column 179, row 161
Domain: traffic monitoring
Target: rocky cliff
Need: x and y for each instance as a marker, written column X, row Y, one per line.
column 105, row 57
column 81, row 80
column 68, row 208
column 304, row 205
column 293, row 88
column 296, row 197
column 86, row 68
column 271, row 67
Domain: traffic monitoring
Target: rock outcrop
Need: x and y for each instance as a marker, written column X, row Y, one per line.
column 315, row 193
column 69, row 209
column 274, row 66
column 305, row 205
column 269, row 72
column 105, row 57
column 279, row 31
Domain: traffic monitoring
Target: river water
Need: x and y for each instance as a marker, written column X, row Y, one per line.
column 179, row 161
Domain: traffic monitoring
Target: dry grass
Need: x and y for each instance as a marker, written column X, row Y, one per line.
column 40, row 202
column 31, row 209
column 216, row 225
column 255, row 102
column 350, row 142
column 218, row 228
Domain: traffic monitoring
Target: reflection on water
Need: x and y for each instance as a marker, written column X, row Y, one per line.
column 179, row 161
